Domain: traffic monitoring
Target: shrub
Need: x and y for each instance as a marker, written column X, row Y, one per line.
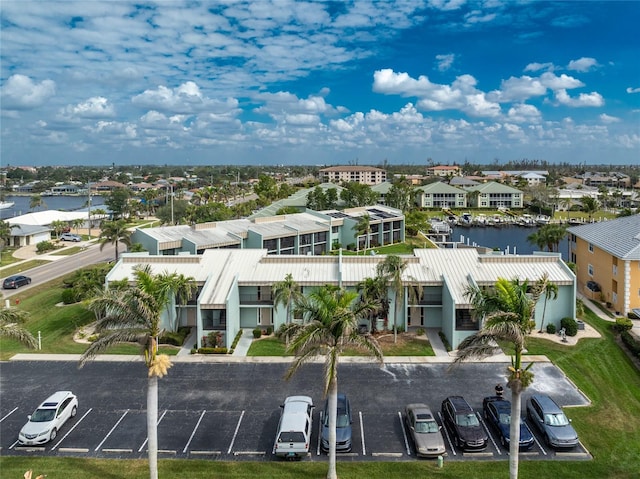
column 269, row 330
column 444, row 340
column 235, row 340
column 551, row 328
column 632, row 315
column 176, row 338
column 68, row 296
column 570, row 326
column 623, row 324
column 631, row 342
column 420, row 332
column 257, row 332
column 212, row 351
column 44, row 246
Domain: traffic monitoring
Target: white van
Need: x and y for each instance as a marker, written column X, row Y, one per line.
column 294, row 428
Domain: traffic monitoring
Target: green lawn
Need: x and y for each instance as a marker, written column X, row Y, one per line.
column 68, row 251
column 267, row 347
column 22, row 267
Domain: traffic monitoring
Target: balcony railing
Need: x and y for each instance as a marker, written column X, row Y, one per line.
column 254, row 298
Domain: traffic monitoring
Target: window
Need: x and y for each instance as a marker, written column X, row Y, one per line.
column 591, row 247
column 590, row 270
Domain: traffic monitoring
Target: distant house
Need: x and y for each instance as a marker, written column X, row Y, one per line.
column 25, row 235
column 106, row 186
column 607, row 258
column 367, row 175
column 494, row 195
column 533, row 179
column 441, row 195
column 443, row 171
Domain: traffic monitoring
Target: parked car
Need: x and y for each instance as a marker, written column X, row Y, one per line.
column 14, row 282
column 343, row 425
column 70, row 237
column 294, row 429
column 551, row 421
column 46, row 421
column 497, row 412
column 463, row 424
column 424, row 430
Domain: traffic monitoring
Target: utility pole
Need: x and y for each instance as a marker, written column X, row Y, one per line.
column 89, row 210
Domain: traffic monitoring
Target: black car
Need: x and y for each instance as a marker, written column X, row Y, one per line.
column 14, row 282
column 497, row 412
column 343, row 425
column 463, row 424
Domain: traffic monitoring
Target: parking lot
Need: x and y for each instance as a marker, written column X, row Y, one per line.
column 231, row 411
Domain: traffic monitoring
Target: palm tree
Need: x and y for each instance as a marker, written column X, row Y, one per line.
column 550, row 291
column 11, row 321
column 133, row 315
column 507, row 311
column 286, row 292
column 77, row 223
column 589, row 205
column 331, row 324
column 362, row 228
column 5, row 232
column 114, row 232
column 374, row 290
column 36, row 201
column 58, row 227
column 391, row 269
column 548, row 236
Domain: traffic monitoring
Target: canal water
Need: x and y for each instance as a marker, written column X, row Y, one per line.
column 62, row 203
column 508, row 239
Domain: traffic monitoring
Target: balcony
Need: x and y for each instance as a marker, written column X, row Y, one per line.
column 255, row 298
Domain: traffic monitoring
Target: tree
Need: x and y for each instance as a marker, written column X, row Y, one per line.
column 11, row 326
column 165, row 214
column 391, row 270
column 548, row 236
column 550, row 290
column 356, row 194
column 589, row 205
column 115, row 232
column 77, row 223
column 400, row 195
column 286, row 292
column 58, row 227
column 416, row 221
column 36, row 201
column 331, row 325
column 362, row 228
column 266, row 189
column 133, row 315
column 117, row 202
column 374, row 290
column 506, row 311
column 5, row 233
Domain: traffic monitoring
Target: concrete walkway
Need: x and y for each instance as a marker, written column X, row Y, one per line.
column 437, row 345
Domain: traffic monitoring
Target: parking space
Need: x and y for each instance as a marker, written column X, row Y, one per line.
column 102, row 428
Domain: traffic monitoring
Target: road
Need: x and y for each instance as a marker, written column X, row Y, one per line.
column 65, row 265
column 231, row 411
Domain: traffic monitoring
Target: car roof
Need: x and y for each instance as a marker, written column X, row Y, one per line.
column 421, row 411
column 546, row 403
column 14, row 277
column 459, row 403
column 56, row 398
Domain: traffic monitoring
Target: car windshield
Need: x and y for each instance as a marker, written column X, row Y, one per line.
column 341, row 421
column 505, row 418
column 43, row 415
column 426, row 426
column 467, row 420
column 556, row 419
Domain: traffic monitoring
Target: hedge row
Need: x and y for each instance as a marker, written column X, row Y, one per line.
column 630, row 342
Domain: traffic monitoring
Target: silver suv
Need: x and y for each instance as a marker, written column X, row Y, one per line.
column 551, row 421
column 70, row 237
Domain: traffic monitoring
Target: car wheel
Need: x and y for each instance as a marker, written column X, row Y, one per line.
column 28, row 281
column 53, row 434
column 74, row 411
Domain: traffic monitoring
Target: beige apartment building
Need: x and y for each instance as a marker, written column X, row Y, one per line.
column 367, row 175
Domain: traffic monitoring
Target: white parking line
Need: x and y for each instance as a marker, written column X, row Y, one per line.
column 9, row 414
column 364, row 452
column 484, row 425
column 70, row 430
column 194, row 432
column 235, row 433
column 147, row 439
column 112, row 429
column 536, row 441
column 319, row 433
column 446, row 433
column 404, row 433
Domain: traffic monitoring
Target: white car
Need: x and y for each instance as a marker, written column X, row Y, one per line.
column 70, row 237
column 46, row 421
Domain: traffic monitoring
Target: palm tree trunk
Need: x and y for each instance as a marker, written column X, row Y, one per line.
column 333, row 416
column 514, row 429
column 152, row 426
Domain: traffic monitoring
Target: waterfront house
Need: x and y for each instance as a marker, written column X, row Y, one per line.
column 441, row 195
column 607, row 258
column 493, row 195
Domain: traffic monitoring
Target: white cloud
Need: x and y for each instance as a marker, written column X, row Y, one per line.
column 604, row 118
column 534, row 67
column 96, row 107
column 518, row 89
column 583, row 64
column 445, row 61
column 633, row 90
column 583, row 100
column 446, row 4
column 184, row 99
column 564, row 82
column 477, row 16
column 523, row 113
column 20, row 92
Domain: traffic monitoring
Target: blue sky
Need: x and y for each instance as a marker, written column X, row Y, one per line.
column 292, row 82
